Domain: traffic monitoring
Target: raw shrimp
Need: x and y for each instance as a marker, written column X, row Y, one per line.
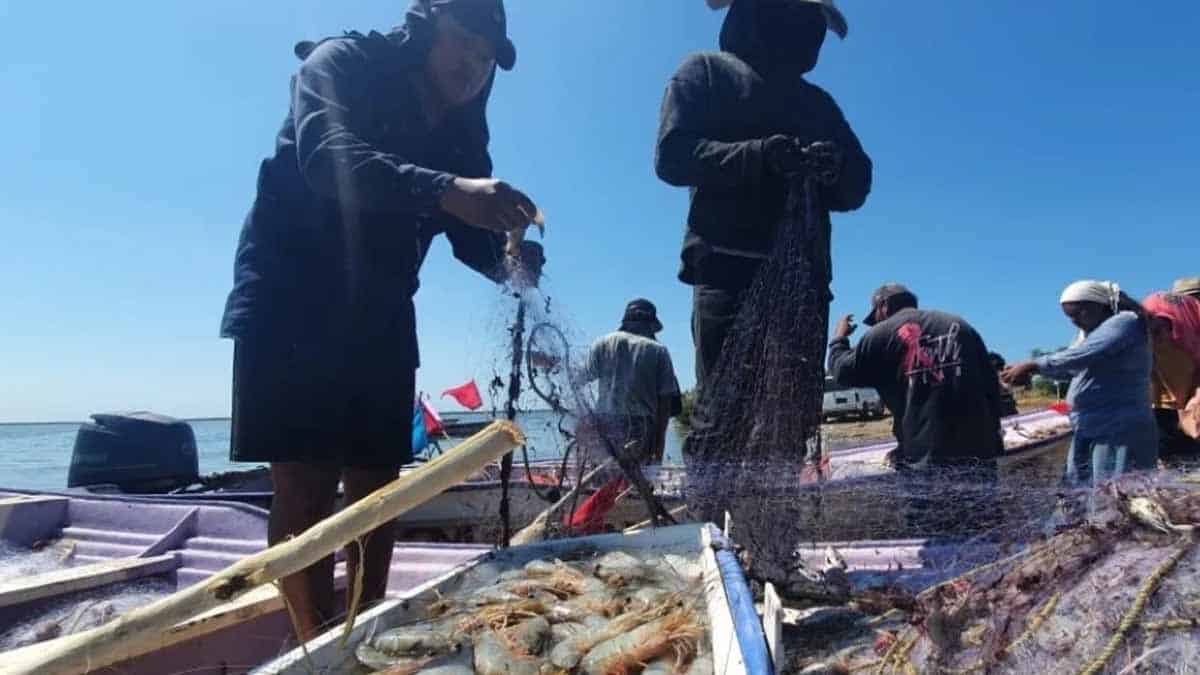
column 619, row 569
column 458, row 663
column 561, row 632
column 561, row 586
column 493, row 657
column 400, row 647
column 566, row 613
column 676, row 635
column 529, row 638
column 497, row 617
column 567, row 654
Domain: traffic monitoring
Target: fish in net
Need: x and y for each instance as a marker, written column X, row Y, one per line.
column 756, row 434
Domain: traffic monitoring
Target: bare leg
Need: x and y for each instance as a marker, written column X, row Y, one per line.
column 304, row 494
column 358, row 482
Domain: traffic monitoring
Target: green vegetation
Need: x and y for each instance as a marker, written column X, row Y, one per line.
column 684, row 419
column 1045, row 386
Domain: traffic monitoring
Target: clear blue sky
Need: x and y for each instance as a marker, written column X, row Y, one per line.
column 1016, row 147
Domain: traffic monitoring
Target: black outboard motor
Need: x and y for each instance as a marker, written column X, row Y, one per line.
column 137, row 451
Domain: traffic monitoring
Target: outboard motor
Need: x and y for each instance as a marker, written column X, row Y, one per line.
column 136, row 451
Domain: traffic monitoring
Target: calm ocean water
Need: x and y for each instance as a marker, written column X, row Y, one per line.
column 37, row 456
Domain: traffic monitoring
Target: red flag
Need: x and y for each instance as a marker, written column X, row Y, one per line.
column 1062, row 407
column 467, row 395
column 589, row 519
column 433, row 421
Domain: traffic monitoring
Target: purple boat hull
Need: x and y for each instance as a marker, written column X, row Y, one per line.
column 182, row 543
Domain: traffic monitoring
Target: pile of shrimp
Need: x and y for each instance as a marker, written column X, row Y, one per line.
column 612, row 614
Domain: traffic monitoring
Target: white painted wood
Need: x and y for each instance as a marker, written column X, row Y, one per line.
column 74, row 579
column 773, row 625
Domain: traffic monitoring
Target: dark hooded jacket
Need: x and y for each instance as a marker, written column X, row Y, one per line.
column 348, row 205
column 717, row 111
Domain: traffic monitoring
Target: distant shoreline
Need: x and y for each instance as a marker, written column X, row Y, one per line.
column 448, row 413
column 59, row 423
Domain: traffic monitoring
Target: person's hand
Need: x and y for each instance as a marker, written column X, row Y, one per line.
column 1018, row 373
column 525, row 262
column 489, row 204
column 824, row 161
column 845, row 328
column 789, row 156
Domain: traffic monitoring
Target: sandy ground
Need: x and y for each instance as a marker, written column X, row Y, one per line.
column 846, row 433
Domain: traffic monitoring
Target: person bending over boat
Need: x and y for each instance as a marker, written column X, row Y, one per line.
column 384, row 147
column 735, row 125
column 1175, row 381
column 1109, row 366
column 933, row 371
column 637, row 384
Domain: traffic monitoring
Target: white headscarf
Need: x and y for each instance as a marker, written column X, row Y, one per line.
column 1105, row 293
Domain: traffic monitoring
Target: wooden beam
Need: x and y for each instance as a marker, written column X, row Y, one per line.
column 76, row 653
column 73, row 579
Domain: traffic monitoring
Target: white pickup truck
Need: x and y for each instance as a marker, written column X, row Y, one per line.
column 850, row 402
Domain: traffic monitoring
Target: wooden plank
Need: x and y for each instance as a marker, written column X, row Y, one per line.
column 74, row 579
column 261, row 601
column 773, row 625
column 678, row 512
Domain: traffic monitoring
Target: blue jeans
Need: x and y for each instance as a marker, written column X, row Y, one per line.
column 1096, row 459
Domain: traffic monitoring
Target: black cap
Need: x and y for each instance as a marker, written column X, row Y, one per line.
column 487, row 19
column 883, row 294
column 642, row 311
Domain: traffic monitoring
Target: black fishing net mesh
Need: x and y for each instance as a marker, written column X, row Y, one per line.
column 758, row 415
column 755, row 450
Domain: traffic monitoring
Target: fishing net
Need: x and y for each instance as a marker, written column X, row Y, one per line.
column 1110, row 587
column 758, row 415
column 540, row 378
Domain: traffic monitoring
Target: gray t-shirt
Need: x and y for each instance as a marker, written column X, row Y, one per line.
column 633, row 372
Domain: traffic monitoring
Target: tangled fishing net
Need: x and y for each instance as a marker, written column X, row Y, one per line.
column 1111, row 588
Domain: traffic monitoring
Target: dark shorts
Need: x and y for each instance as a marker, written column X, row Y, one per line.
column 296, row 402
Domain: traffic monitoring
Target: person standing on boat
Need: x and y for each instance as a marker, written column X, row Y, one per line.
column 1175, row 381
column 637, row 385
column 1110, row 366
column 734, row 126
column 384, row 147
column 935, row 374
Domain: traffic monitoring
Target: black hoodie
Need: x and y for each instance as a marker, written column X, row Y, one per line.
column 717, row 111
column 348, row 205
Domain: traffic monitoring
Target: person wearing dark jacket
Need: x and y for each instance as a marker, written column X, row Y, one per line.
column 736, row 126
column 933, row 371
column 385, row 146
